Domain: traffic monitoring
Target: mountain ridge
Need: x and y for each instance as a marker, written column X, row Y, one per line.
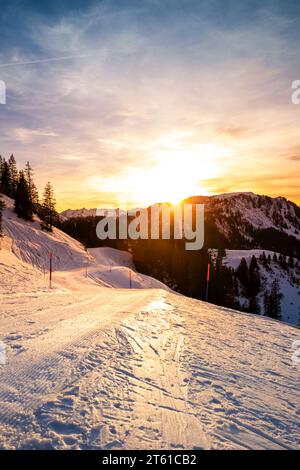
column 243, row 221
column 86, row 212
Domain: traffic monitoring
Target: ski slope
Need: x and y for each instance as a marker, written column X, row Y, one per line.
column 92, row 364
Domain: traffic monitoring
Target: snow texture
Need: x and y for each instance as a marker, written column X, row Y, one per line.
column 93, row 366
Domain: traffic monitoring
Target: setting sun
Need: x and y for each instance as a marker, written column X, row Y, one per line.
column 176, row 172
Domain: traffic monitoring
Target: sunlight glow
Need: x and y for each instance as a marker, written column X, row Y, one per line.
column 175, row 173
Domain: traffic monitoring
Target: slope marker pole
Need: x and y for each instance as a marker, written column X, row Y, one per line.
column 50, row 269
column 207, row 281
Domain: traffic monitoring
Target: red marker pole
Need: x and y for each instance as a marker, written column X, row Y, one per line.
column 207, row 281
column 50, row 269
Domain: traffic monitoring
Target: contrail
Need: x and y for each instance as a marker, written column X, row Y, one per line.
column 40, row 61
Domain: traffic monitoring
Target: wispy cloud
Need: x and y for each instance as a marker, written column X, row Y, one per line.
column 295, row 158
column 27, row 136
column 109, row 88
column 42, row 61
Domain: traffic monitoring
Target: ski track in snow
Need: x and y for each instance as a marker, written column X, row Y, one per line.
column 164, row 375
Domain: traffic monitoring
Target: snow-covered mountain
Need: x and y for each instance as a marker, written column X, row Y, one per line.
column 81, row 213
column 74, row 213
column 242, row 221
column 90, row 366
column 248, row 217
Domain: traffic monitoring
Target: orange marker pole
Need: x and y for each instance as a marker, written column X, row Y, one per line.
column 207, row 281
column 50, row 269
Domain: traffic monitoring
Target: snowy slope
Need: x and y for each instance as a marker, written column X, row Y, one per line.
column 115, row 268
column 290, row 290
column 33, row 246
column 26, row 243
column 107, row 256
column 101, row 368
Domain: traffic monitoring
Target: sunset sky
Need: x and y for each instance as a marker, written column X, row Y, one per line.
column 152, row 100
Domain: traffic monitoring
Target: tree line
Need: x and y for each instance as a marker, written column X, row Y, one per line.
column 19, row 185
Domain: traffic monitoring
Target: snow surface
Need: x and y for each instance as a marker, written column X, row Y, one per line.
column 96, row 367
column 111, row 257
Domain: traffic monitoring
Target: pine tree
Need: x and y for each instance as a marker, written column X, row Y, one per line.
column 253, row 305
column 291, row 262
column 1, row 167
column 23, row 205
column 13, row 176
column 266, row 302
column 48, row 211
column 217, row 287
column 263, row 259
column 242, row 273
column 272, row 302
column 31, row 186
column 1, row 210
column 253, row 278
column 5, row 187
column 282, row 262
column 222, row 288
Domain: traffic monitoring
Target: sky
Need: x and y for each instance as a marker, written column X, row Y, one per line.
column 138, row 102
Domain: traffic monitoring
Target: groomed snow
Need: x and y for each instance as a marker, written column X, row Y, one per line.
column 95, row 367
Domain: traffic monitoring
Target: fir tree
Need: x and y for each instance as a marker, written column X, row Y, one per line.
column 217, row 287
column 5, row 187
column 263, row 259
column 1, row 210
column 242, row 273
column 1, row 167
column 253, row 278
column 266, row 302
column 31, row 186
column 291, row 262
column 13, row 175
column 48, row 211
column 253, row 306
column 272, row 301
column 282, row 262
column 23, row 205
